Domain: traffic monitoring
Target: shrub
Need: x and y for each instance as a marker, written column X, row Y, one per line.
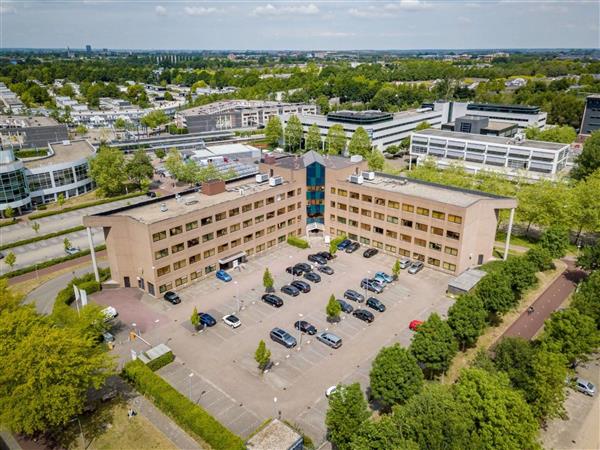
column 41, row 207
column 161, row 361
column 185, row 413
column 541, row 258
column 556, row 240
column 297, row 242
column 66, row 296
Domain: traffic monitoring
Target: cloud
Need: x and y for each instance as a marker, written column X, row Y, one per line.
column 7, row 9
column 277, row 11
column 389, row 9
column 160, row 10
column 201, row 10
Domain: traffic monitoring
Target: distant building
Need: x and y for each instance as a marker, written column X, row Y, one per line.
column 523, row 115
column 88, row 49
column 34, row 131
column 591, row 115
column 481, row 125
column 9, row 100
column 515, row 83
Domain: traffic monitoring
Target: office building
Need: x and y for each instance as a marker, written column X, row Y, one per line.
column 31, row 131
column 34, row 181
column 481, row 125
column 523, row 115
column 168, row 242
column 591, row 115
column 513, row 157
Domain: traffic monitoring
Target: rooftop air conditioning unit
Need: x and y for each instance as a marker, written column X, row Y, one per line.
column 370, row 176
column 356, row 158
column 66, row 142
column 262, row 177
column 274, row 181
column 163, row 207
column 356, row 179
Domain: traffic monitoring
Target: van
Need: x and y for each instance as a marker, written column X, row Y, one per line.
column 330, row 339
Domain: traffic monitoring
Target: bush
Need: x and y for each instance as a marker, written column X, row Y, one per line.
column 161, row 361
column 41, row 238
column 297, row 242
column 6, row 223
column 185, row 413
column 84, row 205
column 30, row 153
column 541, row 258
column 556, row 240
column 41, row 207
column 66, row 296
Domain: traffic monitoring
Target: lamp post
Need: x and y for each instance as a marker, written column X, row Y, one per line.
column 237, row 296
column 190, row 376
column 300, row 315
column 368, row 278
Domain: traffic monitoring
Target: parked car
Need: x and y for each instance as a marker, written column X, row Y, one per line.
column 384, row 277
column 345, row 243
column 109, row 313
column 415, row 324
column 363, row 314
column 326, row 269
column 330, row 339
column 290, row 290
column 370, row 252
column 272, row 300
column 151, row 194
column 296, row 271
column 107, row 337
column 317, row 259
column 172, row 297
column 405, row 263
column 346, row 307
column 330, row 390
column 376, row 304
column 328, row 256
column 305, row 327
column 352, row 247
column 72, row 250
column 304, row 267
column 584, row 386
column 283, row 337
column 1, row 255
column 371, row 285
column 207, row 319
column 223, row 276
column 314, row 277
column 354, row 296
column 302, row 286
column 232, row 321
column 415, row 267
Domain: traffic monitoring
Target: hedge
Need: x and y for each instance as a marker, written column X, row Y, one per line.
column 50, row 262
column 297, row 242
column 161, row 361
column 84, row 205
column 7, row 223
column 189, row 416
column 41, row 238
column 30, row 153
column 66, row 296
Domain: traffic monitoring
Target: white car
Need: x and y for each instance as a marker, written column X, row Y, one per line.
column 109, row 313
column 232, row 321
column 72, row 250
column 330, row 390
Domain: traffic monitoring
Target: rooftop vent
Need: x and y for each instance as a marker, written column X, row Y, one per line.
column 262, row 177
column 163, row 207
column 356, row 158
column 356, row 179
column 66, row 142
column 275, row 181
column 191, row 200
column 370, row 176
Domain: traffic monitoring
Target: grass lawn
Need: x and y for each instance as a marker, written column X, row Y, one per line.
column 522, row 241
column 74, row 201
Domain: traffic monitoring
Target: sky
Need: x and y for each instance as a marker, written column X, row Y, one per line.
column 300, row 25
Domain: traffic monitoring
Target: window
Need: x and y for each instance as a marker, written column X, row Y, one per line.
column 270, row 215
column 222, row 248
column 163, row 271
column 159, row 236
column 220, row 216
column 271, row 243
column 354, row 195
column 332, row 204
column 291, row 207
column 259, row 204
column 452, row 235
column 248, row 207
column 379, row 201
column 165, row 287
column 235, row 243
column 423, row 211
column 394, row 205
column 377, row 244
column 435, row 246
column 405, row 238
column 438, row 215
column 176, row 230
column 177, row 248
column 259, row 219
column 454, row 219
column 451, row 251
column 211, row 268
column 420, row 242
column 433, row 261
column 352, row 223
column 193, row 242
column 191, row 226
column 352, row 236
column 161, row 253
column 332, row 190
column 364, row 240
column 419, row 257
column 270, row 200
column 365, row 226
column 271, row 229
column 259, row 233
column 209, row 253
column 342, row 193
column 392, row 219
column 390, row 248
column 290, row 194
column 403, row 252
column 208, row 237
column 281, row 239
column 63, row 177
column 247, row 223
column 260, row 248
column 280, row 211
column 449, row 266
column 195, row 275
column 367, row 198
column 378, row 230
column 180, row 281
column 234, row 212
column 194, row 259
column 206, row 221
column 342, row 206
column 408, row 208
column 221, row 232
column 39, row 181
column 437, row 231
column 378, row 216
column 341, row 219
column 365, row 212
column 421, row 227
column 391, row 234
column 81, row 172
column 354, row 209
column 407, row 223
column 235, row 227
column 248, row 238
column 179, row 264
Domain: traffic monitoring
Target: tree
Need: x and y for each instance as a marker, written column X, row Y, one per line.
column 9, row 213
column 333, row 309
column 154, row 119
column 293, row 133
column 497, row 414
column 81, row 129
column 268, row 280
column 347, row 411
column 376, row 160
column 273, row 131
column 466, row 318
column 139, row 168
column 120, row 123
column 10, row 259
column 589, row 159
column 195, row 318
column 336, row 139
column 168, row 96
column 381, row 434
column 333, row 248
column 563, row 134
column 571, row 333
column 585, row 204
column 546, row 390
column 555, row 240
column 60, row 200
column 360, row 143
column 434, row 346
column 160, row 153
column 521, row 274
column 513, row 356
column 313, row 138
column 35, row 226
column 174, row 164
column 423, row 126
column 586, row 299
column 66, row 243
column 540, row 257
column 262, row 355
column 107, row 169
column 495, row 292
column 395, row 376
column 396, row 268
column 543, row 203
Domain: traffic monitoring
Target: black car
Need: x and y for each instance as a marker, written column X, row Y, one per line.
column 365, row 315
column 317, row 259
column 352, row 247
column 172, row 298
column 290, row 290
column 296, row 271
column 314, row 277
column 304, row 267
column 346, row 307
column 207, row 319
column 305, row 327
column 302, row 286
column 344, row 244
column 151, row 194
column 328, row 256
column 272, row 300
column 370, row 252
column 354, row 296
column 372, row 302
column 325, row 269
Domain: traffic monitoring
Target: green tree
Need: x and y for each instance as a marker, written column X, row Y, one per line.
column 66, row 243
column 313, row 138
column 107, row 169
column 360, row 144
column 268, row 280
column 395, row 376
column 546, row 391
column 293, row 133
column 589, row 259
column 262, row 355
column 396, row 268
column 585, row 204
column 10, row 259
column 495, row 292
column 540, row 257
column 521, row 274
column 423, row 126
column 9, row 213
column 347, row 411
column 563, row 134
column 376, row 160
column 139, row 168
column 195, row 319
column 589, row 159
column 160, row 153
column 35, row 226
column 81, row 129
column 336, row 139
column 154, row 119
column 120, row 123
column 333, row 248
column 273, row 131
column 168, row 96
column 174, row 163
column 513, row 356
column 333, row 309
column 467, row 319
column 586, row 299
column 556, row 241
column 571, row 333
column 381, row 434
column 544, row 203
column 60, row 200
column 323, row 103
column 434, row 346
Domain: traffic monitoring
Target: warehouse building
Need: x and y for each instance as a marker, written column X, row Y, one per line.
column 31, row 131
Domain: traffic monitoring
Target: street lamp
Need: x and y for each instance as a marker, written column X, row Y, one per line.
column 368, row 278
column 190, row 376
column 237, row 297
column 300, row 315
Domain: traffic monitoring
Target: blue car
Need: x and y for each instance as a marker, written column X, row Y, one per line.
column 345, row 243
column 384, row 277
column 207, row 319
column 224, row 276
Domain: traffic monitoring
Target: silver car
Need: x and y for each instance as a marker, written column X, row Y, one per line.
column 585, row 386
column 415, row 267
column 330, row 339
column 405, row 263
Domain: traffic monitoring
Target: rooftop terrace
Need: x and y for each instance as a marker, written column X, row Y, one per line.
column 63, row 152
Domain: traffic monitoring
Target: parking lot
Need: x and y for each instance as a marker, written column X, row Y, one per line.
column 225, row 377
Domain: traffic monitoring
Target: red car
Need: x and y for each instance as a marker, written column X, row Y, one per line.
column 415, row 324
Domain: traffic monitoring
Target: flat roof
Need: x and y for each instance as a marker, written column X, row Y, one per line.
column 275, row 436
column 359, row 117
column 28, row 121
column 303, row 161
column 500, row 140
column 467, row 280
column 73, row 151
column 526, row 109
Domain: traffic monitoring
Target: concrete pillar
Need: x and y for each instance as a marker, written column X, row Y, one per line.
column 508, row 232
column 93, row 253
